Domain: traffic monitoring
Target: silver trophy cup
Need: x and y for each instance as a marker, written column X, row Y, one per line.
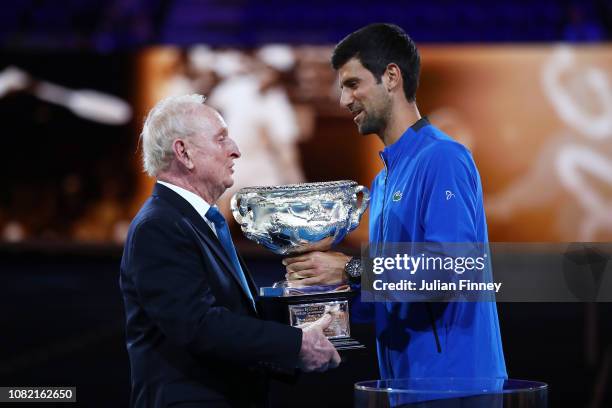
column 297, row 218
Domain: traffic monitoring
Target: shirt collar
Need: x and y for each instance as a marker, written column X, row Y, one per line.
column 404, row 143
column 197, row 202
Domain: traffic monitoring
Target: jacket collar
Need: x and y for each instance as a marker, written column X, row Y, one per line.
column 197, row 202
column 405, row 145
column 183, row 206
column 209, row 236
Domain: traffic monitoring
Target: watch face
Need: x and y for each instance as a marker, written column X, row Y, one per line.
column 353, row 268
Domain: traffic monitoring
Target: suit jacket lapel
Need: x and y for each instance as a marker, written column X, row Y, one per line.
column 205, row 232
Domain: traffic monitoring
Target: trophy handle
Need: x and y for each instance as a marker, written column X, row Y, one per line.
column 358, row 212
column 235, row 210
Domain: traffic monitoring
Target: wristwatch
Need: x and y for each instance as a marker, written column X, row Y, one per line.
column 353, row 269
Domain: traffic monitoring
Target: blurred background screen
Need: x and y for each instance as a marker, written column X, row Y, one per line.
column 537, row 118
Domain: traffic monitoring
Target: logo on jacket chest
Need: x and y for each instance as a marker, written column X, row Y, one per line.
column 397, row 196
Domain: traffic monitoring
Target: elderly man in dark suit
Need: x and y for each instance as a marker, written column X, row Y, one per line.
column 194, row 335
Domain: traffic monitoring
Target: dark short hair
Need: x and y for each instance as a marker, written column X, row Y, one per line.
column 378, row 45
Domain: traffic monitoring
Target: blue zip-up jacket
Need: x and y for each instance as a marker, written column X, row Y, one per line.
column 430, row 191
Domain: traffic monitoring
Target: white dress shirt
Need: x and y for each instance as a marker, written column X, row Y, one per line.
column 197, row 202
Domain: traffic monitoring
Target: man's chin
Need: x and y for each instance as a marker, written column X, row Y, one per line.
column 229, row 183
column 371, row 125
column 365, row 130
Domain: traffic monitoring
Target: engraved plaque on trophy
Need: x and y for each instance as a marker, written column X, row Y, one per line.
column 309, row 312
column 297, row 218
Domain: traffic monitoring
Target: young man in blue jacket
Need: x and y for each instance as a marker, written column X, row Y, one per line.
column 429, row 191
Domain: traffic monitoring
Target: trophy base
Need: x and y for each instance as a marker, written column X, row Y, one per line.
column 300, row 310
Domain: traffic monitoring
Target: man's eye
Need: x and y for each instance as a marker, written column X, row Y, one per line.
column 348, row 84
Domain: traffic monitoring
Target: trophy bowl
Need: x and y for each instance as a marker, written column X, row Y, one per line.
column 296, row 218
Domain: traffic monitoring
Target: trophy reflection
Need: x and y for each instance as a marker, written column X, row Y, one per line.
column 297, row 218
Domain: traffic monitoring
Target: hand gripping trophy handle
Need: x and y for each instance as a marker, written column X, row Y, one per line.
column 234, row 207
column 358, row 212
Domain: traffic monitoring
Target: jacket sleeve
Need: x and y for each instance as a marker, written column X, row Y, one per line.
column 166, row 268
column 450, row 195
column 451, row 199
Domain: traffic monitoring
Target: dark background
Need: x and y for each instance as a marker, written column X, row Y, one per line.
column 62, row 320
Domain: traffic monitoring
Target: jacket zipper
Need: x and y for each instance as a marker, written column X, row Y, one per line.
column 380, row 235
column 381, row 241
column 382, row 213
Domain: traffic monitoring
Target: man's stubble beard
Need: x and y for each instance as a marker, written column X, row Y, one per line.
column 377, row 121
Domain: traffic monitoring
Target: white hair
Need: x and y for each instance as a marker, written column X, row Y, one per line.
column 170, row 118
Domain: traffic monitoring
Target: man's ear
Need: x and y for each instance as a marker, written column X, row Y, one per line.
column 181, row 153
column 392, row 77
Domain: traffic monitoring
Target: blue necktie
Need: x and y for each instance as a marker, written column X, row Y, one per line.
column 224, row 236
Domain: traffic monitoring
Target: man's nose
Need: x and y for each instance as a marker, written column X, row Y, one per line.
column 346, row 98
column 234, row 150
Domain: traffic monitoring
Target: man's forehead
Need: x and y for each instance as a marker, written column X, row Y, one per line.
column 219, row 119
column 209, row 117
column 352, row 68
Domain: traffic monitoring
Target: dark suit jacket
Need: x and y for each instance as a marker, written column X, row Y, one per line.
column 192, row 333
